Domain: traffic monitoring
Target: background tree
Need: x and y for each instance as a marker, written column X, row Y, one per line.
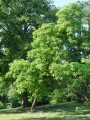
column 86, row 9
column 75, row 49
column 18, row 20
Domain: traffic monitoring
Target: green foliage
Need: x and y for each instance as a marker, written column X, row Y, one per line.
column 85, row 7
column 58, row 96
column 19, row 71
column 13, row 97
column 45, row 50
column 2, row 106
column 19, row 19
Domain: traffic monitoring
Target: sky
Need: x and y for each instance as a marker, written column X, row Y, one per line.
column 61, row 3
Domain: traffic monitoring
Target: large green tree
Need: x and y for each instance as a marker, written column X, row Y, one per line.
column 35, row 76
column 19, row 18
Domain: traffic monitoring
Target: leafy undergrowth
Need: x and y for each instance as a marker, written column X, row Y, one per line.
column 67, row 111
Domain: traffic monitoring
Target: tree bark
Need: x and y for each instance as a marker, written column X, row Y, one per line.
column 25, row 102
column 34, row 104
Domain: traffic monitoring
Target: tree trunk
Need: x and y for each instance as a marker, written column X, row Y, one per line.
column 34, row 103
column 25, row 102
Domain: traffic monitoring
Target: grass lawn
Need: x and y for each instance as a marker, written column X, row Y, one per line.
column 67, row 111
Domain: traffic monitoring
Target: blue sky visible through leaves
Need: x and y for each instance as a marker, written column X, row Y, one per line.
column 61, row 3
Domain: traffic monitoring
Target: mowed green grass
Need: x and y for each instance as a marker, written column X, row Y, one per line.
column 67, row 111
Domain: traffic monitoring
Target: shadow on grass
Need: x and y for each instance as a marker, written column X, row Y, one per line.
column 51, row 108
column 66, row 109
column 43, row 118
column 55, row 118
column 15, row 111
